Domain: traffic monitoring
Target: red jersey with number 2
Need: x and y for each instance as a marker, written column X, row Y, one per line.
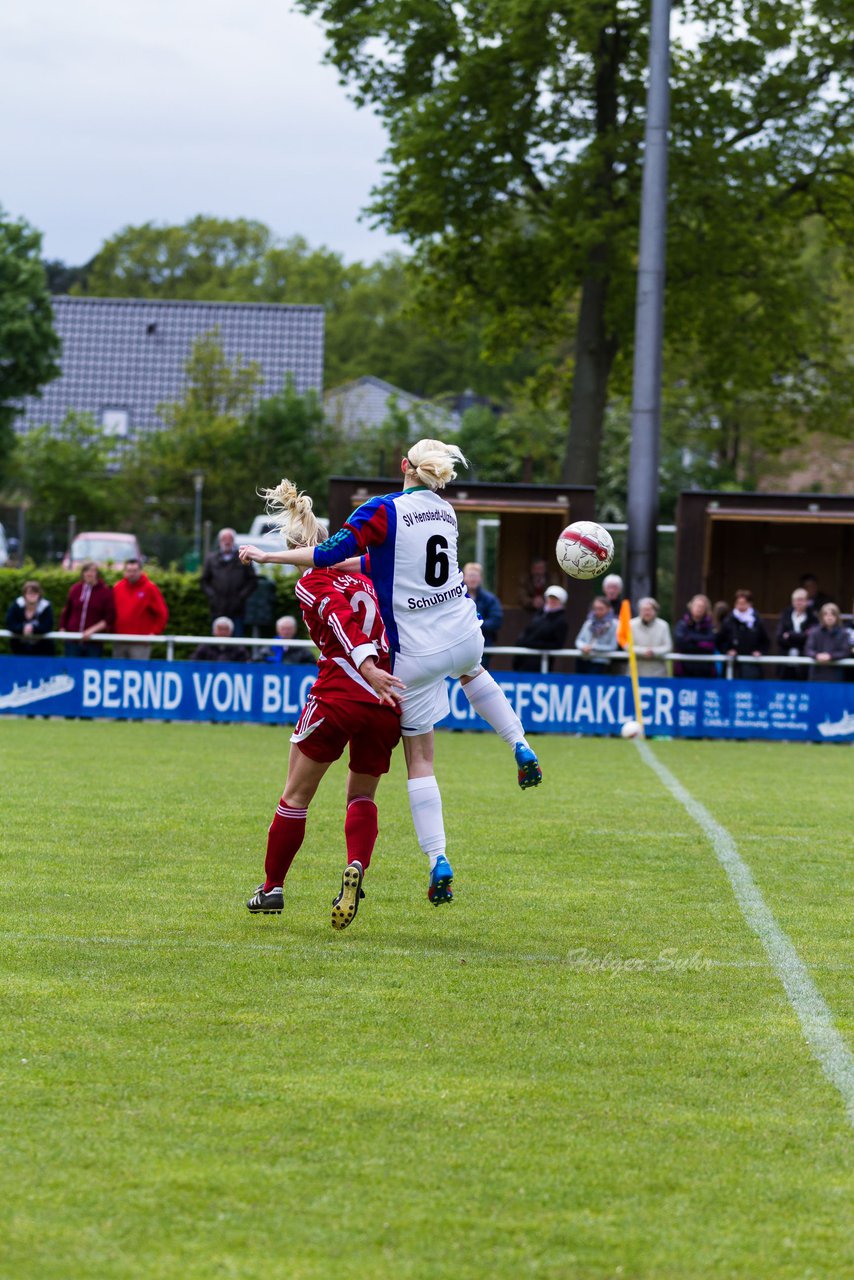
column 342, row 613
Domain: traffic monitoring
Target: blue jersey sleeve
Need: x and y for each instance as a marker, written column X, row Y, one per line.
column 367, row 526
column 341, row 546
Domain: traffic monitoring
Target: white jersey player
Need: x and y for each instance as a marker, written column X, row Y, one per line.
column 409, row 540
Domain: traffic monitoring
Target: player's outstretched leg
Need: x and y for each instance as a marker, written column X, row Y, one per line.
column 360, row 835
column 425, row 802
column 286, row 834
column 491, row 705
column 345, row 906
column 287, row 831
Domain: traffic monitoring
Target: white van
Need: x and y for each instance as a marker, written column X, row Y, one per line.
column 264, row 534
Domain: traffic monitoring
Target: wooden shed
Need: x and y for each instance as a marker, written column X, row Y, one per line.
column 530, row 519
column 765, row 542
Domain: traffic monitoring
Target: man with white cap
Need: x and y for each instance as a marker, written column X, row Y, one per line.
column 612, row 590
column 546, row 630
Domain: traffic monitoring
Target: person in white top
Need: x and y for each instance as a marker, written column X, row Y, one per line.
column 652, row 639
column 408, row 543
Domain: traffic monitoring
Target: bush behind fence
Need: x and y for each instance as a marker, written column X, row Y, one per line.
column 188, row 606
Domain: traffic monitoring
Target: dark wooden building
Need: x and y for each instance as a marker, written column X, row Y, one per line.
column 530, row 516
column 765, row 542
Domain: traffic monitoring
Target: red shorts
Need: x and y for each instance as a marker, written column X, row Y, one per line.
column 372, row 730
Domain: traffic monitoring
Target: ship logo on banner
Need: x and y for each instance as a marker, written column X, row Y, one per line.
column 23, row 694
column 841, row 728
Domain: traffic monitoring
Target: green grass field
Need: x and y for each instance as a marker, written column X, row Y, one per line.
column 583, row 1068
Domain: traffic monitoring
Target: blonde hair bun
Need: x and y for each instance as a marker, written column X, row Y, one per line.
column 433, row 462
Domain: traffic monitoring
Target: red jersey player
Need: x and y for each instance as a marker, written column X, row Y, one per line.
column 353, row 700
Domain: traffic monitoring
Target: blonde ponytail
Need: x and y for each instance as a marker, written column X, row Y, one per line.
column 432, row 462
column 293, row 515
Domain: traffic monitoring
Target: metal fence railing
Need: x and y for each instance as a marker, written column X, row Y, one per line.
column 727, row 664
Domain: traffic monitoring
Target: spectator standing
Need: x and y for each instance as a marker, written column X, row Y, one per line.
column 794, row 624
column 223, row 628
column 227, row 581
column 612, row 590
column 828, row 643
column 140, row 611
column 695, row 633
column 546, row 630
column 286, row 629
column 89, row 609
column 597, row 639
column 743, row 634
column 260, row 613
column 532, row 588
column 815, row 596
column 488, row 606
column 29, row 618
column 652, row 639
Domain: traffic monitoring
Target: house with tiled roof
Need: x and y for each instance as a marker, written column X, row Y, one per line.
column 366, row 402
column 122, row 357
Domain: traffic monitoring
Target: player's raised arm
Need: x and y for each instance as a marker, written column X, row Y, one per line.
column 299, row 556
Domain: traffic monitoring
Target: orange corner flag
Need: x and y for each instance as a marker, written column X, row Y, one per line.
column 624, row 626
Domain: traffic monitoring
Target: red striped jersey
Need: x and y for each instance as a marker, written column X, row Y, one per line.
column 342, row 614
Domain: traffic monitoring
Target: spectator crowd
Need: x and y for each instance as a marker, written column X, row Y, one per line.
column 703, row 639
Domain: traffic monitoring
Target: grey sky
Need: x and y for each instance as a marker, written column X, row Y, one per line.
column 125, row 111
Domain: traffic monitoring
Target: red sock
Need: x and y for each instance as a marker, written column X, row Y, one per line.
column 286, row 834
column 360, row 830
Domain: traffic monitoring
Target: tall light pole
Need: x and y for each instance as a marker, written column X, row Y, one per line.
column 198, row 486
column 649, row 316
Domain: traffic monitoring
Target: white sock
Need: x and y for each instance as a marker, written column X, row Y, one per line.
column 492, row 706
column 425, row 801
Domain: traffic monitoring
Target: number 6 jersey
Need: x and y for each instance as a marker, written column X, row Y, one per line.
column 411, row 538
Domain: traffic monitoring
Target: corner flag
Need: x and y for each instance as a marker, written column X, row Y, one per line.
column 624, row 625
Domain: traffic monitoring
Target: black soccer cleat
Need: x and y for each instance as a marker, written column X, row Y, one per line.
column 345, row 906
column 267, row 903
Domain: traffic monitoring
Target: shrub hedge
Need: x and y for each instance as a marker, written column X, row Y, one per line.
column 188, row 607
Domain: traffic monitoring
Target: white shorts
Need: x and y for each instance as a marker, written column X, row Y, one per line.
column 425, row 698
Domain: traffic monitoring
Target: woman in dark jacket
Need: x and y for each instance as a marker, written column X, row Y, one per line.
column 695, row 633
column 828, row 643
column 743, row 634
column 88, row 609
column 29, row 618
column 794, row 625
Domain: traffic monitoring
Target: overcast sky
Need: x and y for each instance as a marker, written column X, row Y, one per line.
column 155, row 110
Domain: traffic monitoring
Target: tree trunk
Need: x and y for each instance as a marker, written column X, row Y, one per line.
column 595, row 349
column 594, row 356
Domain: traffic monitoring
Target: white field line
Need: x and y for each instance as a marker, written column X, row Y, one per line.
column 826, row 1044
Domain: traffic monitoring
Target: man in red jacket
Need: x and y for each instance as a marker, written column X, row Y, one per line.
column 140, row 611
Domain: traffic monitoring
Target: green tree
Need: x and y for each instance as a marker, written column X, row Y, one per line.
column 515, row 145
column 203, row 432
column 68, row 472
column 29, row 346
column 374, row 323
column 288, row 435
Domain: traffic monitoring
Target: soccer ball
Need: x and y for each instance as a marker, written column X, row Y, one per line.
column 584, row 549
column 630, row 729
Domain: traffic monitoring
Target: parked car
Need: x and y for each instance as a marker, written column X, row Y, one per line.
column 4, row 547
column 105, row 548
